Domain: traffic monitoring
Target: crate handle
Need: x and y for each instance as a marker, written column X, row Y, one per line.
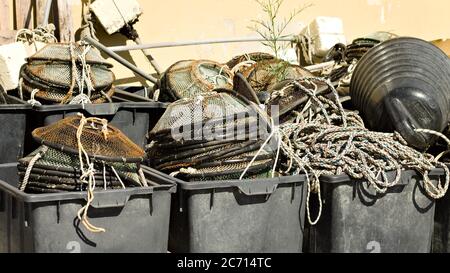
column 101, row 109
column 258, row 187
column 110, row 200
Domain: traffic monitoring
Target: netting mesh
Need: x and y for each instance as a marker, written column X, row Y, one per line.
column 252, row 57
column 59, row 72
column 207, row 107
column 60, row 171
column 264, row 74
column 221, row 139
column 100, row 141
column 189, row 78
column 62, row 52
column 359, row 47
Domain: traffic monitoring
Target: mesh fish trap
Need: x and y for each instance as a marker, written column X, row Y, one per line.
column 359, row 47
column 222, row 138
column 248, row 58
column 189, row 78
column 264, row 74
column 208, row 107
column 81, row 154
column 56, row 171
column 59, row 72
column 101, row 141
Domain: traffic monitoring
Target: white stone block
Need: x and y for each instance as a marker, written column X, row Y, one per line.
column 12, row 57
column 113, row 14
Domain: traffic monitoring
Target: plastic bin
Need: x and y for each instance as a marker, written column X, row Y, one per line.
column 135, row 219
column 441, row 237
column 261, row 215
column 357, row 220
column 134, row 119
column 13, row 120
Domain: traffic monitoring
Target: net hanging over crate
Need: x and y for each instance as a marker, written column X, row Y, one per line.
column 67, row 73
column 81, row 154
column 214, row 136
column 189, row 78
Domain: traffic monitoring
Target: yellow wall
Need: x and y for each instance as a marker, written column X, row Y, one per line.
column 178, row 20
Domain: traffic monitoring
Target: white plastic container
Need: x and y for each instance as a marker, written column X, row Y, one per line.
column 324, row 33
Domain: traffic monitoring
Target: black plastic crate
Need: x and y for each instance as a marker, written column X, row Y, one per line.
column 14, row 128
column 135, row 219
column 258, row 215
column 441, row 237
column 355, row 219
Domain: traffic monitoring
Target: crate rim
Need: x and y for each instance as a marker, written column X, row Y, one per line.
column 168, row 186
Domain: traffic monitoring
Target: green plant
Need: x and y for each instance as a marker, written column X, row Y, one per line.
column 271, row 28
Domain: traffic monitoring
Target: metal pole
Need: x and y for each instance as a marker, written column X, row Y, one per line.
column 120, row 59
column 149, row 56
column 189, row 43
column 48, row 6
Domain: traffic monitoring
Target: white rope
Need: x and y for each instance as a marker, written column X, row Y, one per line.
column 118, row 177
column 44, row 34
column 80, row 99
column 32, row 100
column 142, row 177
column 88, row 175
column 30, row 167
column 259, row 151
column 238, row 66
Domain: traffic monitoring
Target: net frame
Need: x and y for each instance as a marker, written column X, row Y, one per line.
column 38, row 135
column 195, row 80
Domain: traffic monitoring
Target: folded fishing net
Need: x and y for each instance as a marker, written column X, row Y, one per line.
column 189, row 78
column 214, row 136
column 81, row 154
column 66, row 73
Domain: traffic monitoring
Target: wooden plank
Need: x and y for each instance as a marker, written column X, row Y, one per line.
column 23, row 12
column 7, row 36
column 4, row 15
column 40, row 10
column 65, row 22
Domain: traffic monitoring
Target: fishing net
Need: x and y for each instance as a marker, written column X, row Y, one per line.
column 248, row 59
column 214, row 136
column 101, row 141
column 325, row 139
column 264, row 74
column 189, row 78
column 359, row 47
column 64, row 73
column 208, row 107
column 81, row 154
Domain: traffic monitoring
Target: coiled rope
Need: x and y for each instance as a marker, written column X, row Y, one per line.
column 325, row 139
column 44, row 34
